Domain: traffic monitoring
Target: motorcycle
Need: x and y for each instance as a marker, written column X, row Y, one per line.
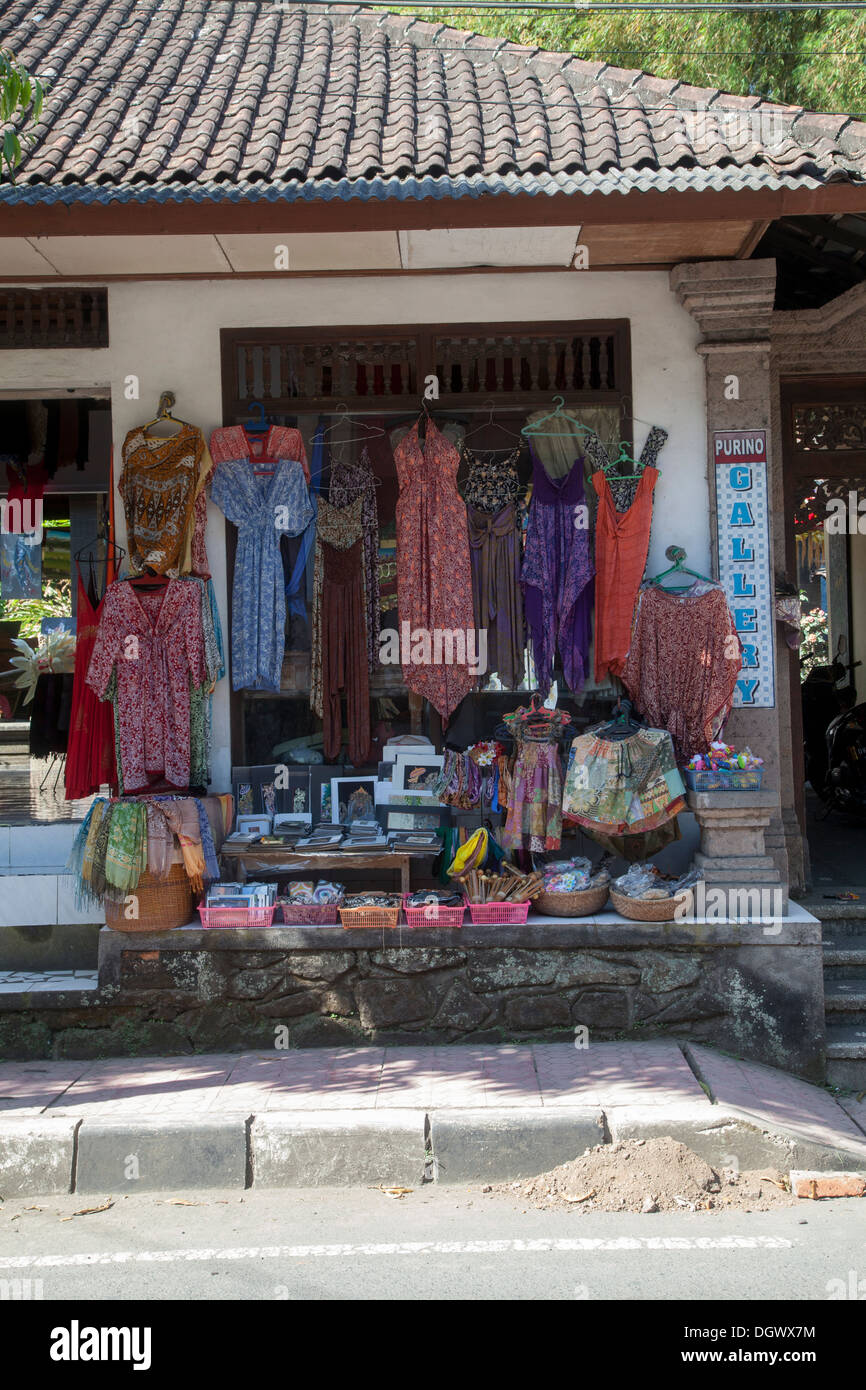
column 833, row 735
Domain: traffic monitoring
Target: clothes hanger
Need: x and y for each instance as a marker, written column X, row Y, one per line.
column 558, row 413
column 149, row 582
column 491, row 424
column 678, row 555
column 623, row 457
column 344, row 418
column 163, row 413
column 621, row 725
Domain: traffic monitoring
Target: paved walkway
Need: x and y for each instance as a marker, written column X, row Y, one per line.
column 656, row 1077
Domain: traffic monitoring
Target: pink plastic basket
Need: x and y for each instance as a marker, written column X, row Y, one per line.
column 505, row 914
column 432, row 915
column 237, row 916
column 308, row 914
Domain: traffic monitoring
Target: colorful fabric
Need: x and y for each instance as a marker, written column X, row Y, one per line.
column 622, row 785
column 126, row 849
column 158, row 485
column 234, row 444
column 638, row 847
column 493, row 481
column 624, row 489
column 338, row 527
column 683, row 662
column 434, row 573
column 557, row 576
column 349, row 481
column 495, row 554
column 90, row 762
column 621, row 547
column 263, row 509
column 534, row 820
column 153, row 644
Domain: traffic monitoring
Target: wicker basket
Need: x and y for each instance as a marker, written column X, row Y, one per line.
column 370, row 916
column 655, row 910
column 162, row 904
column 581, row 904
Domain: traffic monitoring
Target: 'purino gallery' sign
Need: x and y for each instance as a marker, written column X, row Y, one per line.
column 745, row 571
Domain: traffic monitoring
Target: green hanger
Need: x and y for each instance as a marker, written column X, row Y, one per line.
column 678, row 555
column 624, row 457
column 558, row 413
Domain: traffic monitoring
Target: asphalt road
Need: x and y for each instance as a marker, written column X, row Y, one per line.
column 433, row 1243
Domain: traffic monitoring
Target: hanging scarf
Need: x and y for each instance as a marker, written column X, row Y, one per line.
column 160, row 841
column 181, row 814
column 81, row 855
column 211, row 867
column 126, row 849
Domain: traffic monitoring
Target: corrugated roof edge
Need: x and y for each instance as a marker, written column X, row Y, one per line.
column 404, row 190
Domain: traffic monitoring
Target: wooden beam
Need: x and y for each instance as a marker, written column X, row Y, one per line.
column 521, row 210
column 751, row 239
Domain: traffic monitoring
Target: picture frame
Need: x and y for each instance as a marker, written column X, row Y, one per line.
column 254, row 825
column 343, row 789
column 415, row 773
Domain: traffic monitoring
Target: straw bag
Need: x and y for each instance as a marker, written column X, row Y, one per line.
column 162, row 904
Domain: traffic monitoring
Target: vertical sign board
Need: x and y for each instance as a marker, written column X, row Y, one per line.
column 745, row 571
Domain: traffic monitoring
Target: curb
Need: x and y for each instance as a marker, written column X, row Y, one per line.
column 320, row 1148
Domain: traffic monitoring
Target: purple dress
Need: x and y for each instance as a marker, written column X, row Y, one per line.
column 557, row 576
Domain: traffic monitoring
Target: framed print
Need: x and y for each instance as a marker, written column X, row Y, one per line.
column 414, row 775
column 353, row 798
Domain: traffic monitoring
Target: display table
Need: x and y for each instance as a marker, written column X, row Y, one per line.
column 240, row 861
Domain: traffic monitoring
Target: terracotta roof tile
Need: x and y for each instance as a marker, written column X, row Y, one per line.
column 195, row 93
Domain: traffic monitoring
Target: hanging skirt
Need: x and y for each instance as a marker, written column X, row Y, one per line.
column 534, row 819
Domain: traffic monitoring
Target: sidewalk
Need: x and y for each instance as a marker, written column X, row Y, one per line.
column 404, row 1115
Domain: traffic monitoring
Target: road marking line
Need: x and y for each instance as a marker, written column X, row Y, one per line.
column 542, row 1245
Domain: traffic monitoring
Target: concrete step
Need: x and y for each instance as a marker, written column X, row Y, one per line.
column 845, row 995
column 15, row 982
column 66, row 946
column 845, row 950
column 846, row 1055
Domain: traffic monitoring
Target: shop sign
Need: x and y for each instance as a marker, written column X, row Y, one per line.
column 745, row 570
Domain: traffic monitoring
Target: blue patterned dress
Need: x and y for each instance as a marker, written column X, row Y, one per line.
column 263, row 509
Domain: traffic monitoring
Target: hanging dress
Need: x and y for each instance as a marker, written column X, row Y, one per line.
column 263, row 509
column 557, row 576
column 434, row 573
column 90, row 762
column 339, row 654
column 495, row 553
column 621, row 548
column 348, row 481
column 683, row 663
column 159, row 483
column 152, row 644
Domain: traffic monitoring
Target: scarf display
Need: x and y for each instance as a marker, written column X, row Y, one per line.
column 125, row 849
column 159, row 484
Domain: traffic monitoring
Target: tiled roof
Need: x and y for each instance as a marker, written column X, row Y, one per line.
column 182, row 100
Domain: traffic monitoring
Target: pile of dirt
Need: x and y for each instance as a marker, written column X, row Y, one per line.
column 650, row 1175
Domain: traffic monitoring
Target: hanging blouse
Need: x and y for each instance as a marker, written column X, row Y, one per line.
column 263, row 509
column 683, row 663
column 348, row 481
column 557, row 576
column 158, row 485
column 434, row 575
column 493, row 482
column 152, row 643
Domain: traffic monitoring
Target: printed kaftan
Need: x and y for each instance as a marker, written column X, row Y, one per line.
column 152, row 643
column 263, row 509
column 434, row 574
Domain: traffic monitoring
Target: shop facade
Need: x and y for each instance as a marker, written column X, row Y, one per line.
column 485, row 313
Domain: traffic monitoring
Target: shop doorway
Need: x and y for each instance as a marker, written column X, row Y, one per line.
column 55, row 482
column 824, row 440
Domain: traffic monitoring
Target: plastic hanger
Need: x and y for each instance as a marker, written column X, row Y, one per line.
column 678, row 555
column 558, row 413
column 621, row 726
column 149, row 581
column 623, row 457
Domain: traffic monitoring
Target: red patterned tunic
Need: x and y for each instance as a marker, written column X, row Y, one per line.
column 434, row 574
column 155, row 642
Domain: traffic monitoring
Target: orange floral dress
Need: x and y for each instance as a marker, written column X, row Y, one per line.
column 434, row 574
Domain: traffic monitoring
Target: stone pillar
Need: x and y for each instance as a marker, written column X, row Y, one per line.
column 732, row 302
column 733, row 855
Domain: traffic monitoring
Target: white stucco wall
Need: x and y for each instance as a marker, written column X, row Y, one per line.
column 166, row 333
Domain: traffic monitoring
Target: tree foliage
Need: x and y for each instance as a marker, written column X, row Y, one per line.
column 810, row 58
column 20, row 95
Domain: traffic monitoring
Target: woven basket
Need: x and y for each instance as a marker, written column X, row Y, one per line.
column 580, row 904
column 656, row 910
column 162, row 904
